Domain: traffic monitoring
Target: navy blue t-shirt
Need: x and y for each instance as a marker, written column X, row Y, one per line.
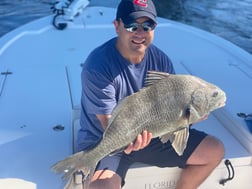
column 107, row 78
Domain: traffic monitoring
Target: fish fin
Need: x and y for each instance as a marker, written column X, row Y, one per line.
column 166, row 137
column 179, row 141
column 153, row 77
column 193, row 116
column 77, row 162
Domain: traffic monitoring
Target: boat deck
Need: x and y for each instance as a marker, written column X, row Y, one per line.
column 40, row 97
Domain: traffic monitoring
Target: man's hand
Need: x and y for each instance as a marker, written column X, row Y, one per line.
column 141, row 142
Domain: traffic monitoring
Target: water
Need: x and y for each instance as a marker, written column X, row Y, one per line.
column 230, row 19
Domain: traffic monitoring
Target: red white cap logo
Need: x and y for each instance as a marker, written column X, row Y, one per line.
column 142, row 3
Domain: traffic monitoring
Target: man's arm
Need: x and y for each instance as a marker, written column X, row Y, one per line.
column 141, row 141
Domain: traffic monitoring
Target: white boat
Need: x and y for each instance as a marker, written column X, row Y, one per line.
column 40, row 97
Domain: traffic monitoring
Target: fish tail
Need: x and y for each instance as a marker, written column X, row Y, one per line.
column 78, row 162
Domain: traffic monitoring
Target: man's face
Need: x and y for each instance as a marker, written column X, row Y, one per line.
column 133, row 43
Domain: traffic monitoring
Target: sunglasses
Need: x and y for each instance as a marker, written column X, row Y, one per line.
column 147, row 26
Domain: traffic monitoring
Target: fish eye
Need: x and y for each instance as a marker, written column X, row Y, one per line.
column 215, row 94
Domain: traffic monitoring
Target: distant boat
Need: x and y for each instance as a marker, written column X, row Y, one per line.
column 40, row 96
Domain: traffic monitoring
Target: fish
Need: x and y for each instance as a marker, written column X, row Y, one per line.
column 166, row 106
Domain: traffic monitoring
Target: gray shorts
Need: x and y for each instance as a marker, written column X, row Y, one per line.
column 155, row 154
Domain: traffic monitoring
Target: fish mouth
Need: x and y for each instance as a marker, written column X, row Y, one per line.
column 222, row 104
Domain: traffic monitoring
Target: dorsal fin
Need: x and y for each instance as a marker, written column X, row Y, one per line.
column 153, row 77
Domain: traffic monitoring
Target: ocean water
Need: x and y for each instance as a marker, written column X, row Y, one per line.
column 229, row 19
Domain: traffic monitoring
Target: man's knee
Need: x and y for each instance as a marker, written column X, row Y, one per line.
column 215, row 147
column 210, row 151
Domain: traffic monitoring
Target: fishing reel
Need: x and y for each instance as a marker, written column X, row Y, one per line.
column 66, row 10
column 247, row 119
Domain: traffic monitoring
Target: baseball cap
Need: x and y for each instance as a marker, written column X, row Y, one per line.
column 130, row 10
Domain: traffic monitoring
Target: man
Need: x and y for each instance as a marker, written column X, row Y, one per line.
column 117, row 69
